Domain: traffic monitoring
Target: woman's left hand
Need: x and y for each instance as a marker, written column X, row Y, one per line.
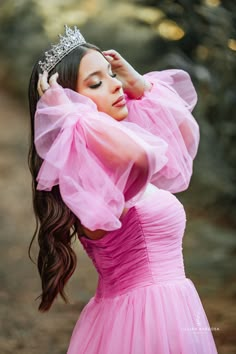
column 133, row 83
column 44, row 84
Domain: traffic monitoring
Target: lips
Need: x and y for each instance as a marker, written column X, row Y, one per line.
column 120, row 102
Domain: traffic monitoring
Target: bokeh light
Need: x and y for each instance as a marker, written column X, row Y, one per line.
column 212, row 3
column 169, row 30
column 232, row 44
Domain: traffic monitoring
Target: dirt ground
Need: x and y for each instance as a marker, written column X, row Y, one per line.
column 209, row 261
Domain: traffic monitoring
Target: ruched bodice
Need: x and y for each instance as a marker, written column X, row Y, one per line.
column 144, row 304
column 146, row 250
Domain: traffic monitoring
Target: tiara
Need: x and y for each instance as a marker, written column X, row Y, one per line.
column 70, row 40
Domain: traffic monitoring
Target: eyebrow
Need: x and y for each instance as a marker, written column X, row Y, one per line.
column 97, row 72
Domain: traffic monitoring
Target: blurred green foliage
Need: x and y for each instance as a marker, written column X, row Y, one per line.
column 197, row 36
column 207, row 52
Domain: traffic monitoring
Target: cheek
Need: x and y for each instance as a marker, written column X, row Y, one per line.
column 97, row 99
column 101, row 102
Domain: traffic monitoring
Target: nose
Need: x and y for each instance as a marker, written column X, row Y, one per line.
column 115, row 84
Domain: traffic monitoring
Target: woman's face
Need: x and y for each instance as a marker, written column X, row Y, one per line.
column 97, row 82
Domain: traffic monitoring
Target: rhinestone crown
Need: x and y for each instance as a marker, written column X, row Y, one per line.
column 70, row 40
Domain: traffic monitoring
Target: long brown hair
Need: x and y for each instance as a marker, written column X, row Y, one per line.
column 56, row 225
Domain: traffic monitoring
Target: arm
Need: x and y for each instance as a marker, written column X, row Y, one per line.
column 134, row 84
column 98, row 162
column 129, row 150
column 162, row 102
column 166, row 111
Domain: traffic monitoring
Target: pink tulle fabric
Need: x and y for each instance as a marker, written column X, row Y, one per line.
column 99, row 163
column 144, row 304
column 102, row 165
column 165, row 111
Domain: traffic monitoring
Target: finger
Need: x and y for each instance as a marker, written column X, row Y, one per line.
column 40, row 92
column 44, row 81
column 44, row 77
column 53, row 79
column 43, row 84
column 109, row 58
column 111, row 52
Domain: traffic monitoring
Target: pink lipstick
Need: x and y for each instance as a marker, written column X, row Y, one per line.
column 120, row 102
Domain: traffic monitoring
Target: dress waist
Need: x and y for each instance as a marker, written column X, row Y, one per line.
column 118, row 288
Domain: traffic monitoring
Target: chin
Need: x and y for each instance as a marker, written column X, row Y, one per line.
column 119, row 119
column 121, row 115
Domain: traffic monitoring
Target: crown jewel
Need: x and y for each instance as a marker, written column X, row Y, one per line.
column 70, row 40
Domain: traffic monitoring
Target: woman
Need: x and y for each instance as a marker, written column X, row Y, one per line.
column 109, row 147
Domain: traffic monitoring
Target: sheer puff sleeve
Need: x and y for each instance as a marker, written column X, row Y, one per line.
column 100, row 164
column 165, row 111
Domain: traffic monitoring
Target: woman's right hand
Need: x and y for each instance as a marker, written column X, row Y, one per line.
column 44, row 84
column 133, row 83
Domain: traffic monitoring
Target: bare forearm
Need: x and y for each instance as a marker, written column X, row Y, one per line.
column 134, row 84
column 136, row 87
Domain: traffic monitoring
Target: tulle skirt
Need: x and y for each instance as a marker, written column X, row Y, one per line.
column 164, row 318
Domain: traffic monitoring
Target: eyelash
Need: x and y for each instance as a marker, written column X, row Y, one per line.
column 99, row 84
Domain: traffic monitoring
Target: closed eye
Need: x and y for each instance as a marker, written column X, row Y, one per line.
column 100, row 82
column 96, row 85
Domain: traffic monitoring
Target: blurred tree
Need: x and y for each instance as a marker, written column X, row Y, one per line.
column 21, row 38
column 200, row 37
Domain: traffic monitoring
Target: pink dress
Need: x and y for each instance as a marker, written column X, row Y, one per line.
column 144, row 304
